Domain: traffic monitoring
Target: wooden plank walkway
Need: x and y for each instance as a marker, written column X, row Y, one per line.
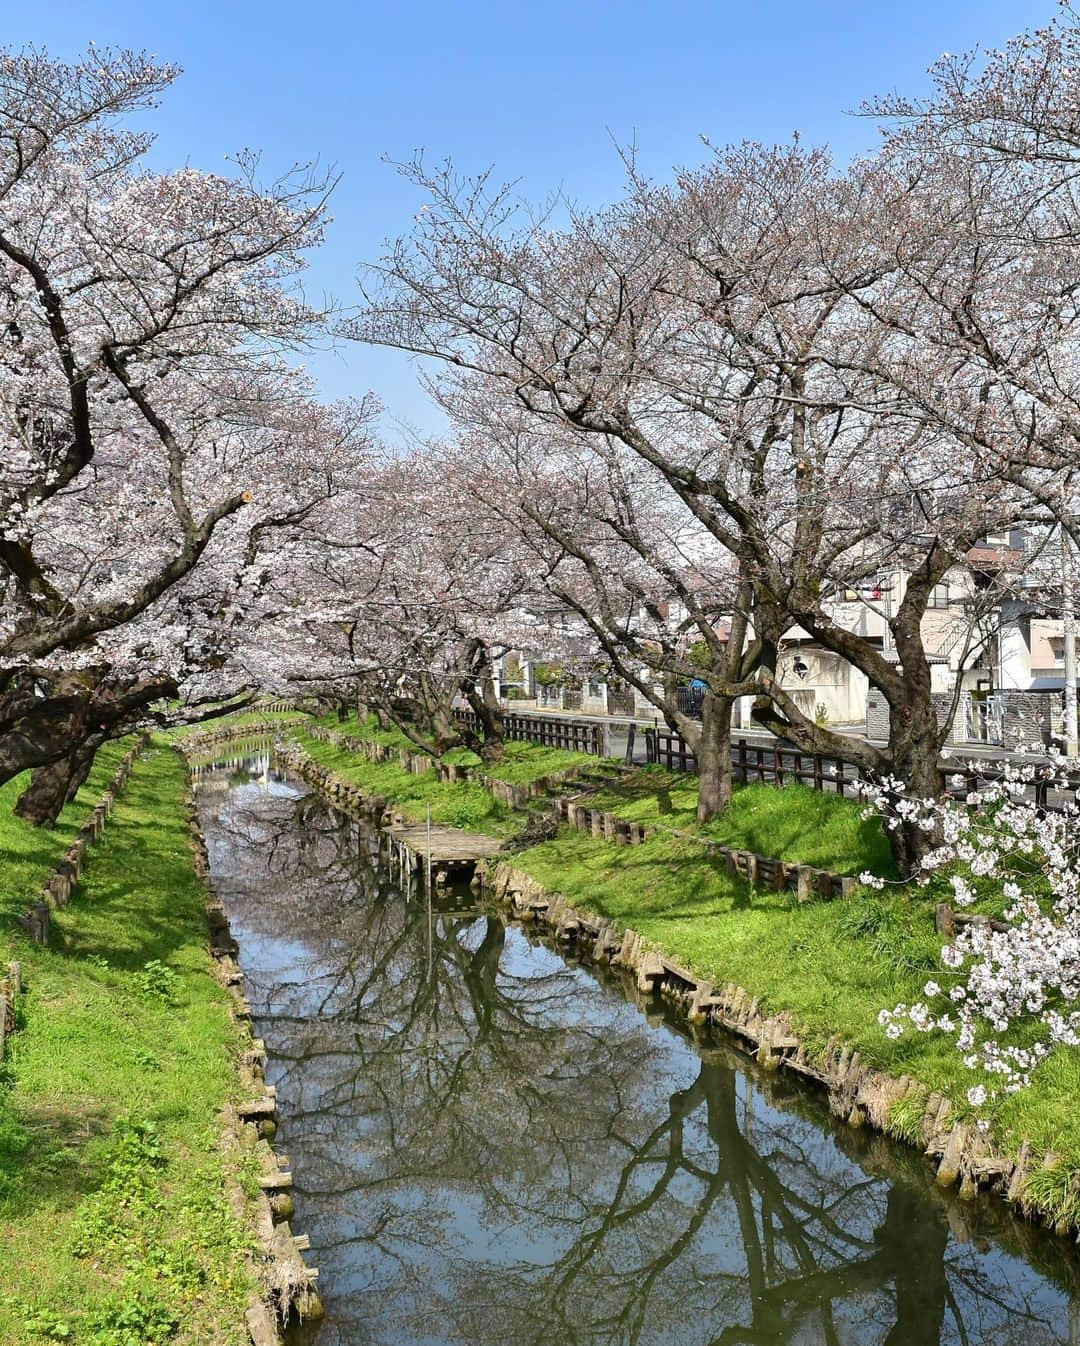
column 449, row 845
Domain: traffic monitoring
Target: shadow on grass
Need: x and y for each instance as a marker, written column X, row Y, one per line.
column 43, row 1160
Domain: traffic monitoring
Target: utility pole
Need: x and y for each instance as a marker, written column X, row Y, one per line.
column 1068, row 614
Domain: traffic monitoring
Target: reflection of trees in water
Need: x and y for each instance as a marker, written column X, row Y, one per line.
column 489, row 1148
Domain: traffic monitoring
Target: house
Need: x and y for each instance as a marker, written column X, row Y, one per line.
column 993, row 636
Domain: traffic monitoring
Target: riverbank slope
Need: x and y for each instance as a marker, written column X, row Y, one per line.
column 113, row 1218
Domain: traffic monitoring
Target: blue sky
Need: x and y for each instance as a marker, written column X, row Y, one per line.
column 537, row 92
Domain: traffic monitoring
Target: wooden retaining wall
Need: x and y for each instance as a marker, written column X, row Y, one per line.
column 10, row 989
column 289, row 1284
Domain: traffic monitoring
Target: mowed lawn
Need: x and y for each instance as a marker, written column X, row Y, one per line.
column 113, row 1218
column 794, row 822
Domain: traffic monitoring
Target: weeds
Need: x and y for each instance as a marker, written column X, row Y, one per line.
column 905, row 1118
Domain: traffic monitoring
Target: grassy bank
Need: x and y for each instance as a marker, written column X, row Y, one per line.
column 521, row 763
column 833, row 965
column 460, row 804
column 28, row 853
column 112, row 1216
column 456, row 805
column 796, row 823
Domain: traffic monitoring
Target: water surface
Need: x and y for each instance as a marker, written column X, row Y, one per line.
column 494, row 1147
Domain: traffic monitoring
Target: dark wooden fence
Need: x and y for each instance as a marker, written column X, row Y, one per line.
column 550, row 731
column 769, row 762
column 773, row 762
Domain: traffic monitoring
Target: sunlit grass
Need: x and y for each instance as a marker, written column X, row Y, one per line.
column 521, row 764
column 112, row 1208
column 794, row 822
column 832, row 965
column 459, row 804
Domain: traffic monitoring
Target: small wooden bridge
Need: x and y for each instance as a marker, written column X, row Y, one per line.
column 453, row 853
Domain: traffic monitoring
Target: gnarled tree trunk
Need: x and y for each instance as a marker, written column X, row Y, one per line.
column 53, row 786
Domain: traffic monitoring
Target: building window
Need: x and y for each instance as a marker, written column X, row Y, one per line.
column 939, row 596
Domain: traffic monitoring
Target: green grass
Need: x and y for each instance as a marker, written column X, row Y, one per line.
column 794, row 823
column 464, row 805
column 27, row 853
column 521, row 764
column 113, row 1220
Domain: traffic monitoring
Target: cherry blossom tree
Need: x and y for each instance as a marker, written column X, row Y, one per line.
column 986, row 241
column 653, row 593
column 1009, row 982
column 723, row 331
column 410, row 596
column 142, row 387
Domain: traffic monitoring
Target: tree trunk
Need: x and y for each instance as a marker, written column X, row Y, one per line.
column 75, row 716
column 488, row 710
column 492, row 750
column 915, row 748
column 53, row 786
column 714, row 756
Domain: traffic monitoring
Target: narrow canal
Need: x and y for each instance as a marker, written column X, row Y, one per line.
column 492, row 1146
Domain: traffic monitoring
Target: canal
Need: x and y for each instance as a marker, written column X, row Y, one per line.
column 494, row 1147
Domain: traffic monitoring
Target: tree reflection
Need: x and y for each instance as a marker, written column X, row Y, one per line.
column 491, row 1146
